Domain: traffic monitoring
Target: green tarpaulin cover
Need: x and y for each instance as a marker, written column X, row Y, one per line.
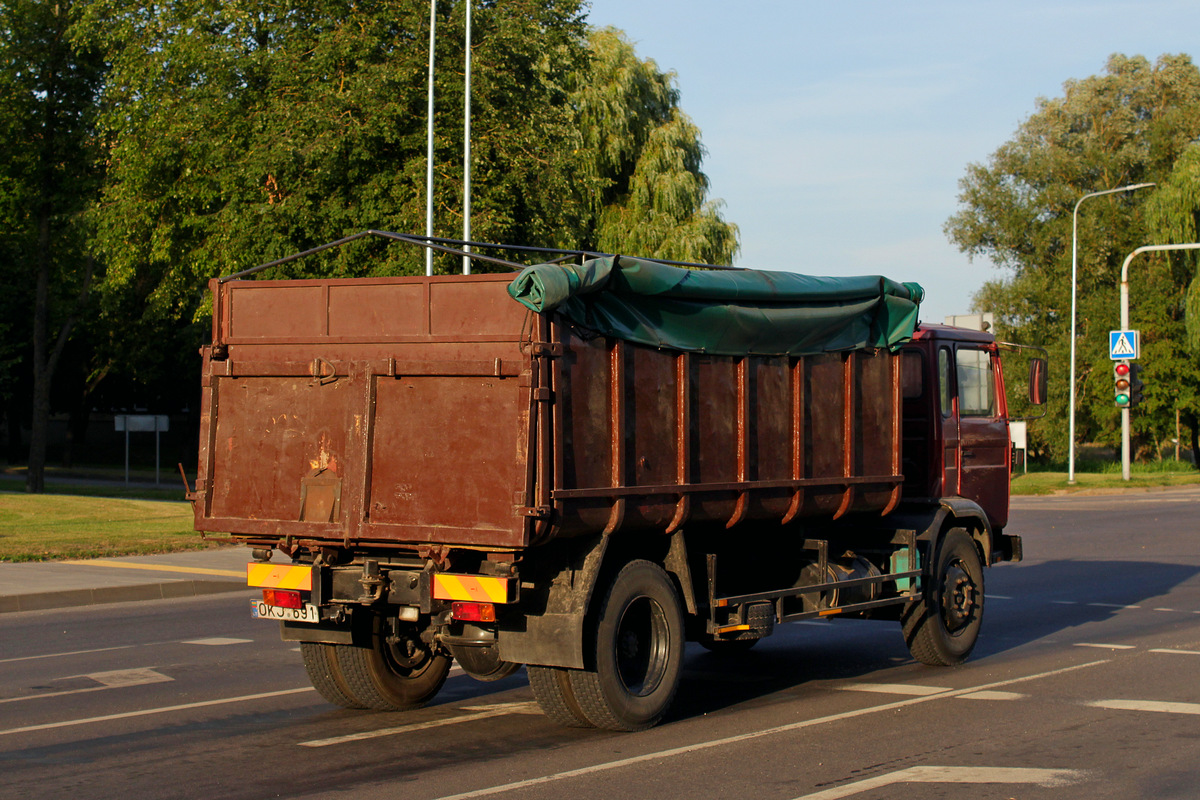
column 735, row 313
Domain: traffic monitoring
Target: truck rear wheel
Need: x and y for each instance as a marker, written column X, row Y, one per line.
column 638, row 649
column 552, row 690
column 391, row 676
column 324, row 675
column 942, row 627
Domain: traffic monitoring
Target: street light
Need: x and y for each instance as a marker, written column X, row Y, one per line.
column 1150, row 248
column 1074, row 270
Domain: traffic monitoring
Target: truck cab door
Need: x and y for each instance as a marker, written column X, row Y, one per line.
column 982, row 432
column 947, row 406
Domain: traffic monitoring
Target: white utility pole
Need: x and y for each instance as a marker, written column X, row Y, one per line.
column 1074, row 269
column 429, row 141
column 1150, row 248
column 466, row 268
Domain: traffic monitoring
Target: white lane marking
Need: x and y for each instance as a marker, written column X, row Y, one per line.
column 1040, row 777
column 217, row 641
column 115, row 679
column 1171, row 610
column 993, row 696
column 150, row 711
column 1104, row 646
column 68, row 653
column 894, row 688
column 1064, row 602
column 1176, row 652
column 480, row 712
column 128, row 677
column 1148, row 705
column 996, row 597
column 1110, row 605
column 746, row 737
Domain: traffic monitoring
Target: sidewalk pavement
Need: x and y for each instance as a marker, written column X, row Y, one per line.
column 32, row 586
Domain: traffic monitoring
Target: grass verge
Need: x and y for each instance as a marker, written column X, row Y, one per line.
column 57, row 526
column 1043, row 483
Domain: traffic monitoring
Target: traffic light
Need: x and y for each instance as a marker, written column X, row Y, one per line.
column 1121, row 384
column 1136, row 395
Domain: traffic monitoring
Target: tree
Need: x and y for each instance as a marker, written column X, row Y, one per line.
column 641, row 162
column 236, row 133
column 1126, row 126
column 48, row 87
column 242, row 132
column 1174, row 216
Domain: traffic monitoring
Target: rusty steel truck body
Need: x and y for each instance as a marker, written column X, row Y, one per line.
column 581, row 469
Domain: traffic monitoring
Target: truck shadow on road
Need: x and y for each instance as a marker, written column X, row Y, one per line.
column 1058, row 603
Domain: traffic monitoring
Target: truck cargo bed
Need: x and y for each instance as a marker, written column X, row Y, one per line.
column 426, row 412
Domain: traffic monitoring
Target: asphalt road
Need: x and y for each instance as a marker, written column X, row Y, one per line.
column 1084, row 685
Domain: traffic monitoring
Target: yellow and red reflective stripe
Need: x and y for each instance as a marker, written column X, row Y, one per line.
column 279, row 576
column 470, row 587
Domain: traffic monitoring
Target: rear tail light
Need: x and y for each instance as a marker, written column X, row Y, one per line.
column 282, row 598
column 473, row 612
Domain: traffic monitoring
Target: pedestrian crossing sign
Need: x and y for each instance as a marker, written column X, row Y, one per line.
column 1123, row 345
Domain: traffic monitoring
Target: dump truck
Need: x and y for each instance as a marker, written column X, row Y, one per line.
column 583, row 467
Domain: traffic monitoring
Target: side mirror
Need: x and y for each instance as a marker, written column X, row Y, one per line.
column 1037, row 381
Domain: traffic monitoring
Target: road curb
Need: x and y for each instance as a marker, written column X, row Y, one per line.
column 69, row 598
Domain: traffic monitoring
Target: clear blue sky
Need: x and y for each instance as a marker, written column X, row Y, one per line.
column 837, row 132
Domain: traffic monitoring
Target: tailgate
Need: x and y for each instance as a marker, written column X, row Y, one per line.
column 391, row 410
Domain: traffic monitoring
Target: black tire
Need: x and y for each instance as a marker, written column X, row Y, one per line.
column 638, row 652
column 942, row 627
column 388, row 678
column 323, row 673
column 552, row 690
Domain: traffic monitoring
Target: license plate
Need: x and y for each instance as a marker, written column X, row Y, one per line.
column 307, row 613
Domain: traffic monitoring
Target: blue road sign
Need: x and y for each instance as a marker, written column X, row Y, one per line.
column 1123, row 345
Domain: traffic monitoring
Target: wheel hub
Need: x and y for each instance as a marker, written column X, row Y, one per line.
column 959, row 598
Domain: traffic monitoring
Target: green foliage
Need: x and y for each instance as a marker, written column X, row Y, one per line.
column 243, row 132
column 51, row 171
column 1129, row 125
column 644, row 155
column 1172, row 214
column 172, row 142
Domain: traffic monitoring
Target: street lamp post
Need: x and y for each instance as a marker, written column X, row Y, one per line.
column 1074, row 271
column 1150, row 248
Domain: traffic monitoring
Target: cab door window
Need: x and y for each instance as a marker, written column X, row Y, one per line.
column 944, row 381
column 976, row 383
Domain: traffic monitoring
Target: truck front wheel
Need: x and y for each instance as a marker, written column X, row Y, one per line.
column 941, row 627
column 638, row 652
column 395, row 673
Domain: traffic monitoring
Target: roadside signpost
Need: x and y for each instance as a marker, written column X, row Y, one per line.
column 146, row 423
